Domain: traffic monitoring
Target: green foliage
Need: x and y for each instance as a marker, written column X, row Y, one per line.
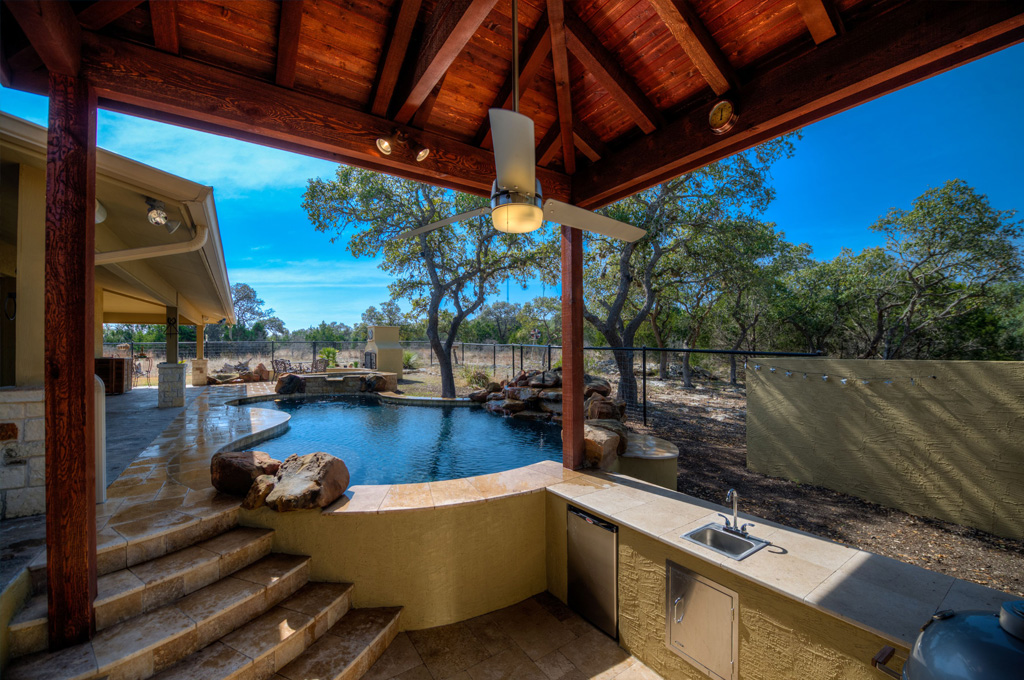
column 410, row 360
column 330, row 354
column 475, row 377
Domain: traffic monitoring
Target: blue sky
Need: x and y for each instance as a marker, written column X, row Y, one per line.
column 847, row 171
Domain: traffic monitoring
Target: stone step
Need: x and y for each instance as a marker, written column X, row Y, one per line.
column 348, row 649
column 154, row 641
column 271, row 641
column 136, row 532
column 143, row 587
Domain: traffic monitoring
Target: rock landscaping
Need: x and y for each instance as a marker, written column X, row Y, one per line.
column 301, row 482
column 239, row 373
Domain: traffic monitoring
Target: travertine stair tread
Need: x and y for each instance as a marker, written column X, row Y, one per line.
column 270, row 641
column 146, row 586
column 156, row 640
column 349, row 649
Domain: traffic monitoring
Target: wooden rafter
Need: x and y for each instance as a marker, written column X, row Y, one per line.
column 166, row 87
column 423, row 113
column 288, row 34
column 691, row 34
column 449, row 28
column 549, row 144
column 563, row 94
column 908, row 44
column 394, row 55
column 53, row 31
column 822, row 19
column 100, row 14
column 588, row 143
column 603, row 66
column 164, row 15
column 534, row 54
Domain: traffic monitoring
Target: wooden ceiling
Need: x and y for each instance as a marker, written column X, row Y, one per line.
column 620, row 90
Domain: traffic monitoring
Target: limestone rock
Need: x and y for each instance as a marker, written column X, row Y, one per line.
column 480, row 396
column 521, row 393
column 258, row 492
column 599, row 407
column 532, row 415
column 592, row 384
column 600, row 447
column 262, row 372
column 506, row 406
column 312, row 481
column 492, row 387
column 289, row 383
column 545, row 379
column 615, row 426
column 232, row 472
column 552, row 394
column 551, row 407
column 374, row 383
column 495, row 396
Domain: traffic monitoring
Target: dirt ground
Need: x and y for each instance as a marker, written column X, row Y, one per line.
column 708, row 424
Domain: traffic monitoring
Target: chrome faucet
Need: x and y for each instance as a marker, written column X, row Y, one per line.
column 734, row 526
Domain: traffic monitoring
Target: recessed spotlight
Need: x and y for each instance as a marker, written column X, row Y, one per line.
column 384, row 146
column 422, row 155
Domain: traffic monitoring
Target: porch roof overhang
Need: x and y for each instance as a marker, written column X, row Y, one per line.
column 619, row 91
column 138, row 290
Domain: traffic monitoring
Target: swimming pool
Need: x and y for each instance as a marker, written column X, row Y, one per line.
column 398, row 444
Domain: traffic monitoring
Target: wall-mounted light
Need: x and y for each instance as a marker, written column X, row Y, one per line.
column 384, row 145
column 422, row 155
column 157, row 215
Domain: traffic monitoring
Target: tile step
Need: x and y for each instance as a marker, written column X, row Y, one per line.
column 152, row 642
column 349, row 649
column 271, row 641
column 143, row 587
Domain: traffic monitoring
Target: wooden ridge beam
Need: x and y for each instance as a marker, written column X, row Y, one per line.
column 549, row 144
column 53, row 31
column 164, row 15
column 422, row 116
column 695, row 39
column 563, row 93
column 898, row 48
column 165, row 87
column 394, row 54
column 100, row 14
column 449, row 29
column 587, row 142
column 602, row 65
column 289, row 31
column 822, row 19
column 535, row 53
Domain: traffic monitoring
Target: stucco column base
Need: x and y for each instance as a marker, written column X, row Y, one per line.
column 199, row 371
column 170, row 385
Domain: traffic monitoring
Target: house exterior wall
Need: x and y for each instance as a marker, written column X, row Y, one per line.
column 22, row 452
column 31, row 278
column 949, row 446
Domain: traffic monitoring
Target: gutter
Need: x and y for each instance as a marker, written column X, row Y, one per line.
column 147, row 252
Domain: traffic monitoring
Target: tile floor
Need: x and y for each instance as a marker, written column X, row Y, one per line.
column 537, row 639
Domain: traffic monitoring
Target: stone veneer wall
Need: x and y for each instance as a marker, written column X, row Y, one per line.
column 949, row 447
column 170, row 385
column 22, row 452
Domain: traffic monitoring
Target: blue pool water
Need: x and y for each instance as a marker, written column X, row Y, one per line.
column 397, row 444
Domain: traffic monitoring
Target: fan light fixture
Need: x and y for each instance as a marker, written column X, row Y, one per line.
column 384, row 146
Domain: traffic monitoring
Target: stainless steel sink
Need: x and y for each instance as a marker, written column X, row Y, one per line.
column 715, row 537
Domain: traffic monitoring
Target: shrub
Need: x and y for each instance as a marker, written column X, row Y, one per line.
column 475, row 377
column 410, row 359
column 331, row 355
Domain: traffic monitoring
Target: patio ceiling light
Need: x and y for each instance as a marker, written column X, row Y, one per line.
column 157, row 215
column 422, row 155
column 384, row 145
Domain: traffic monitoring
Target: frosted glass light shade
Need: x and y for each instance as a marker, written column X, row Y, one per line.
column 517, row 218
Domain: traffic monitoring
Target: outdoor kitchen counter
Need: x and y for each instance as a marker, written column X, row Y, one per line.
column 888, row 597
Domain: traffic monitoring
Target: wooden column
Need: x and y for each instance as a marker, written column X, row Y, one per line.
column 172, row 335
column 200, row 341
column 70, row 422
column 572, row 348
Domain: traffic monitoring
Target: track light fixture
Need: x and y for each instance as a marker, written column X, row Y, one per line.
column 396, row 141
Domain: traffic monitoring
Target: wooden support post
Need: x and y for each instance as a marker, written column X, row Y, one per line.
column 70, row 422
column 572, row 348
column 201, row 342
column 172, row 335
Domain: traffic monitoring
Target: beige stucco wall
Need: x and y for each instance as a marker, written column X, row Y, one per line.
column 31, row 281
column 779, row 638
column 441, row 564
column 950, row 447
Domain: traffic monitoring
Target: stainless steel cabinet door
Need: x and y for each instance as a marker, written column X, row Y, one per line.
column 701, row 622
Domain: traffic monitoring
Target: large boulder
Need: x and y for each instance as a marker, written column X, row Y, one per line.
column 552, row 394
column 600, row 447
column 594, row 385
column 496, row 396
column 551, row 407
column 258, row 492
column 616, row 426
column 506, row 406
column 480, row 396
column 233, row 472
column 545, row 379
column 312, row 481
column 289, row 383
column 492, row 387
column 532, row 415
column 521, row 393
column 262, row 372
column 599, row 407
column 375, row 383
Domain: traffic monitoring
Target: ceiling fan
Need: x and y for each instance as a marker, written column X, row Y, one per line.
column 517, row 202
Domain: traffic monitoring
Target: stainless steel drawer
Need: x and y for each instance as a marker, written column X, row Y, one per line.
column 593, row 560
column 701, row 623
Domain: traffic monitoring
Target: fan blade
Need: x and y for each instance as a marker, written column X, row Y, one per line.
column 514, row 163
column 573, row 216
column 441, row 223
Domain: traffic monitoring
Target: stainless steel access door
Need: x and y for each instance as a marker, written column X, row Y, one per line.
column 701, row 623
column 593, row 557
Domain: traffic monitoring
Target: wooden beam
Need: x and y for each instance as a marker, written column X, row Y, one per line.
column 288, row 31
column 53, row 31
column 563, row 93
column 164, row 87
column 450, row 27
column 695, row 39
column 603, row 66
column 822, row 19
column 549, row 145
column 587, row 142
column 422, row 116
column 164, row 16
column 394, row 55
column 68, row 333
column 898, row 48
column 534, row 54
column 100, row 14
column 572, row 348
